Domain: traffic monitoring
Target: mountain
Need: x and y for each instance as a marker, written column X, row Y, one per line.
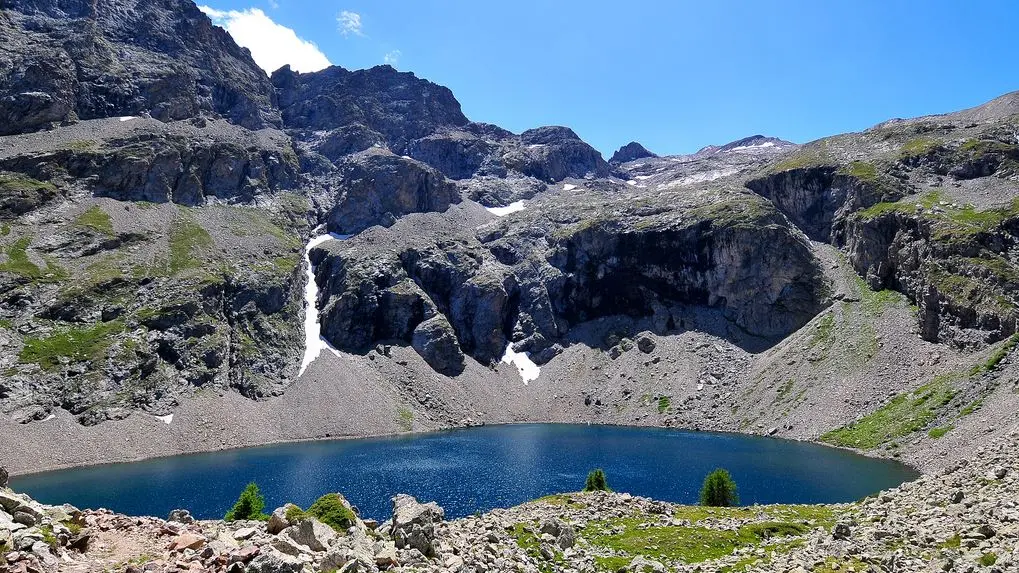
column 163, row 204
column 629, row 152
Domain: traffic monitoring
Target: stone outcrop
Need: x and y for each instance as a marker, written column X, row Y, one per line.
column 414, row 524
column 82, row 60
column 379, row 187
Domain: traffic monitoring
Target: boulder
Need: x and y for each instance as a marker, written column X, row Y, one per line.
column 311, row 533
column 271, row 561
column 24, row 518
column 187, row 541
column 841, row 531
column 641, row 564
column 5, row 478
column 436, row 342
column 181, row 516
column 278, row 520
column 245, row 533
column 567, row 537
column 646, row 343
column 414, row 524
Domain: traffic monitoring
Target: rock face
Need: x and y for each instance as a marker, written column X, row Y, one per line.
column 414, row 524
column 920, row 206
column 630, row 152
column 83, row 60
column 379, row 187
column 473, row 293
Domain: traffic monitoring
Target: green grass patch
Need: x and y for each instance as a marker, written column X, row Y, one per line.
column 918, row 147
column 97, row 219
column 611, row 563
column 783, row 391
column 903, row 415
column 188, row 243
column 939, row 432
column 687, row 544
column 18, row 263
column 997, row 356
column 988, row 559
column 953, row 542
column 972, row 407
column 663, row 404
column 823, row 332
column 860, row 170
column 71, row 344
column 405, row 418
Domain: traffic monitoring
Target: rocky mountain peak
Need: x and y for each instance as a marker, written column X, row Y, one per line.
column 170, row 62
column 751, row 144
column 398, row 106
column 630, row 152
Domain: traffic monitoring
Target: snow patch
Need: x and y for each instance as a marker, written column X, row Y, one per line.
column 569, row 187
column 503, row 211
column 126, row 118
column 50, row 417
column 522, row 360
column 167, row 419
column 631, row 182
column 313, row 341
column 642, row 177
column 758, row 146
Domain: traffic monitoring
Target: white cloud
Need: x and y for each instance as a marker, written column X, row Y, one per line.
column 272, row 45
column 392, row 58
column 274, row 4
column 349, row 23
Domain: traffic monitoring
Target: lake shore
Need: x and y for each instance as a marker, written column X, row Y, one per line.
column 350, row 396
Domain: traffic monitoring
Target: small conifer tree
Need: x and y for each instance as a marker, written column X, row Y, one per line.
column 596, row 481
column 719, row 490
column 249, row 505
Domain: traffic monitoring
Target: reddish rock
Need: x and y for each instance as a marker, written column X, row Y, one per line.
column 244, row 555
column 187, row 541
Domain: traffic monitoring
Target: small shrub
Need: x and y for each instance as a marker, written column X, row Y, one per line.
column 596, row 481
column 332, row 510
column 719, row 490
column 295, row 514
column 249, row 505
column 988, row 559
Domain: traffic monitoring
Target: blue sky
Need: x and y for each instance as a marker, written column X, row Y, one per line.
column 674, row 75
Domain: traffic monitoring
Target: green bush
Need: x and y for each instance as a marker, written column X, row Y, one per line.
column 596, row 481
column 332, row 510
column 249, row 505
column 719, row 490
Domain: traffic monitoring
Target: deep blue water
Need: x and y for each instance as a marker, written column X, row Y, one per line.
column 474, row 470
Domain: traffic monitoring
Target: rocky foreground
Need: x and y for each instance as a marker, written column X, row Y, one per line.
column 966, row 519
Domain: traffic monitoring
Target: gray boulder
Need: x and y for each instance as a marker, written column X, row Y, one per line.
column 414, row 524
column 312, row 533
column 278, row 519
column 181, row 516
column 436, row 342
column 272, row 561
